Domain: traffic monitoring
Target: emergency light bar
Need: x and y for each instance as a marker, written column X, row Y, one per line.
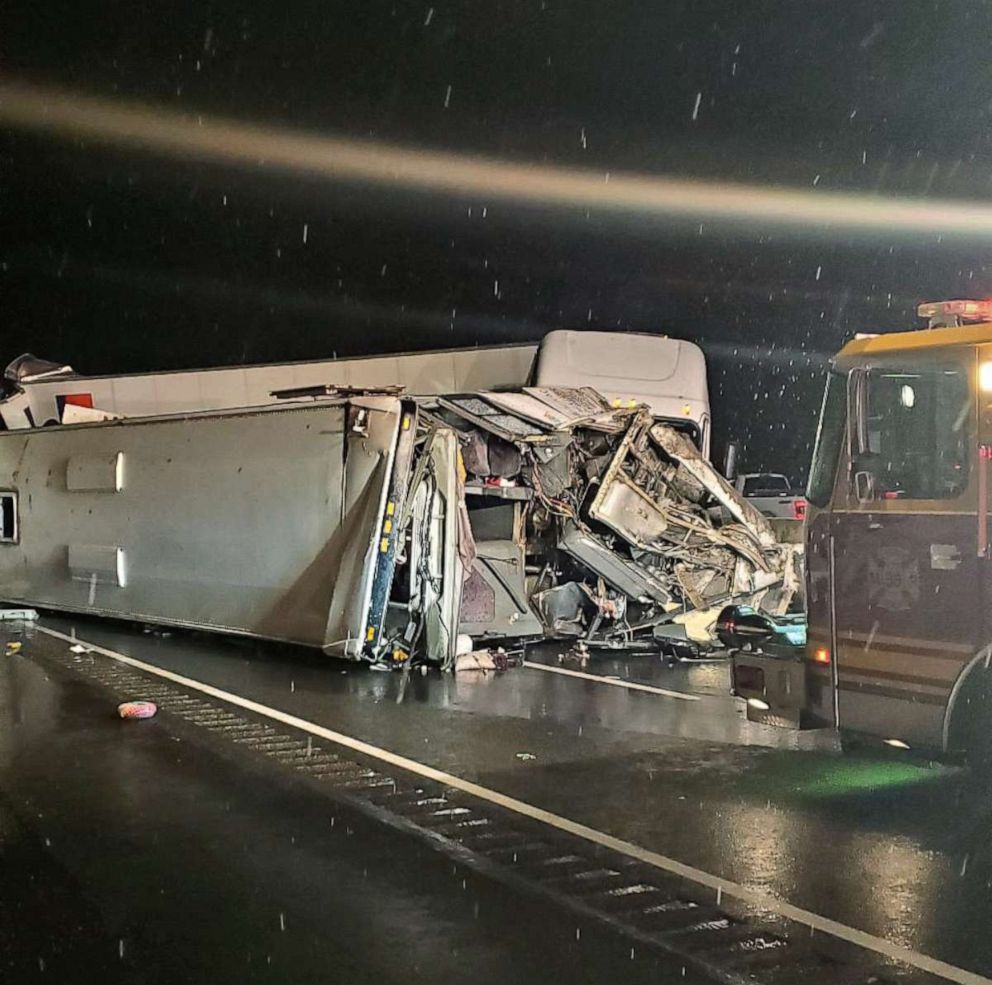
column 945, row 313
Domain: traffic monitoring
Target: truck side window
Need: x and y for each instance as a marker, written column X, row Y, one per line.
column 829, row 436
column 914, row 433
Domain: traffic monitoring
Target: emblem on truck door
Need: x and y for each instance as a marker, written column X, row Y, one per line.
column 893, row 579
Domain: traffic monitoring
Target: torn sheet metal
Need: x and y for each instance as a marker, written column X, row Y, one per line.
column 75, row 414
column 629, row 577
column 562, row 609
column 495, row 603
column 482, row 413
column 582, row 406
column 680, row 449
column 624, row 525
column 558, row 408
column 28, row 367
column 531, row 409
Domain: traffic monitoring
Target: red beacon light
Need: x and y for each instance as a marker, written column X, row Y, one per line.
column 944, row 314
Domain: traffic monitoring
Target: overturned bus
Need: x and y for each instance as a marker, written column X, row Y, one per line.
column 899, row 638
column 381, row 527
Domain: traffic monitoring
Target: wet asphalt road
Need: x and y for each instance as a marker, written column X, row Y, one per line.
column 131, row 855
column 900, row 850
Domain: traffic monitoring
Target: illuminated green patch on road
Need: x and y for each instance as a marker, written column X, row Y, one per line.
column 809, row 776
column 855, row 776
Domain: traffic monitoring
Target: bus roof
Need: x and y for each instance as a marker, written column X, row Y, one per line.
column 921, row 338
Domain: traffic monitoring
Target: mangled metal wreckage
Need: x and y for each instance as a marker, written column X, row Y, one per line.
column 379, row 527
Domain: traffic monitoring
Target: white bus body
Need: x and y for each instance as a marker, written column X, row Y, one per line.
column 669, row 375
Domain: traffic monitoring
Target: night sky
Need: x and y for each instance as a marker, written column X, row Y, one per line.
column 123, row 261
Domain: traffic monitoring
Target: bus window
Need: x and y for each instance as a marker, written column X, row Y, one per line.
column 829, row 435
column 913, row 433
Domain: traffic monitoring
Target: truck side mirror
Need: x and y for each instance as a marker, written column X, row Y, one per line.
column 863, row 481
column 864, row 487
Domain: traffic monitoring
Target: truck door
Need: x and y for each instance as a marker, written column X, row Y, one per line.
column 905, row 585
column 826, row 489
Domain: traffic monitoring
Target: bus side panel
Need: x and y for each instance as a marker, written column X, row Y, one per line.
column 249, row 523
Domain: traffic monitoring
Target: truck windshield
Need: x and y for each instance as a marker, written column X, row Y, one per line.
column 829, row 435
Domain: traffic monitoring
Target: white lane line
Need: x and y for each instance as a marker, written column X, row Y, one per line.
column 630, row 685
column 753, row 897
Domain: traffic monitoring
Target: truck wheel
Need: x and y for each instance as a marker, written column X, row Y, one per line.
column 978, row 755
column 976, row 712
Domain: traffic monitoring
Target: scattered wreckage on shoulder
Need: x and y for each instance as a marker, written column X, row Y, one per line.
column 380, row 527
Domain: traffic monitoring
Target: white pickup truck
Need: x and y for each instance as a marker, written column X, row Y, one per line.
column 771, row 494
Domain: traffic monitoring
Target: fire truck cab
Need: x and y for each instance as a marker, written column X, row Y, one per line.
column 899, row 626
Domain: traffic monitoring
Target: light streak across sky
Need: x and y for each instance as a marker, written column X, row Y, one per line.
column 68, row 116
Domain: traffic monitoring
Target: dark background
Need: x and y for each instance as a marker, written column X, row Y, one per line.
column 118, row 262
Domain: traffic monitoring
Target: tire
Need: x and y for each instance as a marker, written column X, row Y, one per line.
column 976, row 722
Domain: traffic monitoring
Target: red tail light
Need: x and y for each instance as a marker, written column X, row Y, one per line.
column 799, row 509
column 821, row 655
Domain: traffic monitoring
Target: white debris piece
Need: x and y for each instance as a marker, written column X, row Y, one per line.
column 18, row 615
